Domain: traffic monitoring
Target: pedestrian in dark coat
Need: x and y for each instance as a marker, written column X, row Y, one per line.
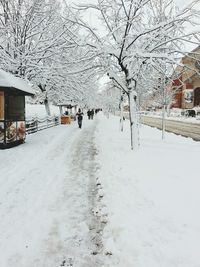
column 79, row 115
column 89, row 114
column 92, row 114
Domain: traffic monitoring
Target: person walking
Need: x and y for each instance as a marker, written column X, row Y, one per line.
column 89, row 114
column 92, row 114
column 79, row 115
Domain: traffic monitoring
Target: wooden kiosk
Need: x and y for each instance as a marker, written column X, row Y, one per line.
column 12, row 109
column 67, row 116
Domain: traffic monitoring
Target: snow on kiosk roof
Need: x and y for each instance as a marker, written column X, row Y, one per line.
column 8, row 80
column 67, row 104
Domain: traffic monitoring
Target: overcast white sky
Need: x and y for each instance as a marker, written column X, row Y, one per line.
column 92, row 17
column 93, row 20
column 179, row 2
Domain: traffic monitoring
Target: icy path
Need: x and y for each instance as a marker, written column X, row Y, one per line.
column 47, row 195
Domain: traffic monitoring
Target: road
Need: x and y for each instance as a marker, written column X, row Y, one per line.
column 178, row 127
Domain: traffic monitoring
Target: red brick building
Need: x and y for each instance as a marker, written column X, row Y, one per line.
column 187, row 85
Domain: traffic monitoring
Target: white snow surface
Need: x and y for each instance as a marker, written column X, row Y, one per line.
column 147, row 199
column 152, row 197
column 40, row 111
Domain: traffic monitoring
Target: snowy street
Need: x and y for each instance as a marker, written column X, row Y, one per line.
column 84, row 180
column 187, row 129
column 46, row 196
column 82, row 198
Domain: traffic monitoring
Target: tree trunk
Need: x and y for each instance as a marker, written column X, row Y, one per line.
column 133, row 117
column 46, row 103
column 61, row 111
column 163, row 121
column 168, row 110
column 122, row 114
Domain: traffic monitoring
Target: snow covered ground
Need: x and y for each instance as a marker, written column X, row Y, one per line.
column 82, row 198
column 152, row 198
column 39, row 110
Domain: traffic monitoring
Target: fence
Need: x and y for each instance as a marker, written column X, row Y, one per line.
column 37, row 124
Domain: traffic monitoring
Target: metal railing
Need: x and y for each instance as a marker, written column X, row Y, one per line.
column 37, row 124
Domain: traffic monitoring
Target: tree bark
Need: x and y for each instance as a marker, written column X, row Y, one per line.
column 46, row 103
column 61, row 111
column 163, row 121
column 122, row 114
column 133, row 118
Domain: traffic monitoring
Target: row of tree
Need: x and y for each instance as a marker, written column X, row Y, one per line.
column 48, row 43
column 38, row 44
column 142, row 45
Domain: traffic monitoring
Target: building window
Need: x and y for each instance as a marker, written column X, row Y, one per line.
column 188, row 96
column 16, row 108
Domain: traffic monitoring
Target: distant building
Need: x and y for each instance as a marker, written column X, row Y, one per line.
column 187, row 84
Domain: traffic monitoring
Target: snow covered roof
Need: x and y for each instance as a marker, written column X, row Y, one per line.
column 8, row 80
column 67, row 104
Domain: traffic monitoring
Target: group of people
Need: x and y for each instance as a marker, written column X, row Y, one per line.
column 90, row 114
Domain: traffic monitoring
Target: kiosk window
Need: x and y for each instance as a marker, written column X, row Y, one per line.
column 16, row 108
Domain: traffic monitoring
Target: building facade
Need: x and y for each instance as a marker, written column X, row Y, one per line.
column 187, row 84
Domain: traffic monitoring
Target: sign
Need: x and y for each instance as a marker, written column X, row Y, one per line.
column 1, row 105
column 11, row 131
column 21, row 130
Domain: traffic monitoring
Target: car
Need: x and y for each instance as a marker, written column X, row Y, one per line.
column 190, row 113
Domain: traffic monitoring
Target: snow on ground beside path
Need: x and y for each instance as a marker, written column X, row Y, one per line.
column 151, row 197
column 46, row 199
column 36, row 110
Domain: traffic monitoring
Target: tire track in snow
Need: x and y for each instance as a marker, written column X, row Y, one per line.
column 85, row 246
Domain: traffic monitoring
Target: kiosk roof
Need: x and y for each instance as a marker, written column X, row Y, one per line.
column 8, row 80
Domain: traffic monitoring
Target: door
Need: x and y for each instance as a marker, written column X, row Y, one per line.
column 197, row 97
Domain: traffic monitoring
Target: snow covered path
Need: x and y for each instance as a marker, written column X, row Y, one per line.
column 82, row 198
column 46, row 200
